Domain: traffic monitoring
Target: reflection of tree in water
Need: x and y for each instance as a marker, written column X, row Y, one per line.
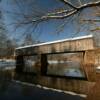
column 5, row 77
column 27, row 91
column 4, row 86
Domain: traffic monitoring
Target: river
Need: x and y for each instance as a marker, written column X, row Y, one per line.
column 12, row 90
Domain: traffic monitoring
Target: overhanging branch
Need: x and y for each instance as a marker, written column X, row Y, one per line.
column 69, row 3
column 91, row 4
column 55, row 16
column 65, row 13
column 91, row 20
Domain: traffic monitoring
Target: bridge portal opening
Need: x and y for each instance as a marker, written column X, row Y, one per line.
column 66, row 64
column 31, row 64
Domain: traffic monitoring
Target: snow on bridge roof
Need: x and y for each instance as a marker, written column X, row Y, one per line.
column 57, row 41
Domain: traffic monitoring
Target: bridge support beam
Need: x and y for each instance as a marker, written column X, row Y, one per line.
column 19, row 64
column 43, row 64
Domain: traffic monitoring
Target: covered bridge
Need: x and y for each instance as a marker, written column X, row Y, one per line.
column 67, row 64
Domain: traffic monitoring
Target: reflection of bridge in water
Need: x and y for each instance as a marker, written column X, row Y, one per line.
column 71, row 55
column 20, row 90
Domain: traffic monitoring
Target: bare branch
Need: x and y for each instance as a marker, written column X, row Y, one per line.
column 91, row 4
column 55, row 16
column 60, row 12
column 69, row 3
column 65, row 13
column 37, row 15
column 80, row 2
column 91, row 20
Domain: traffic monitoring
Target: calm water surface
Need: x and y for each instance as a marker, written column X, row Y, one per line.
column 10, row 90
column 14, row 91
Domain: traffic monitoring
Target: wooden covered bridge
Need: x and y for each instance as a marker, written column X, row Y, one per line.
column 68, row 64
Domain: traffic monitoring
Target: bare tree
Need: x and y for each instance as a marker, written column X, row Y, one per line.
column 6, row 45
column 29, row 40
column 30, row 14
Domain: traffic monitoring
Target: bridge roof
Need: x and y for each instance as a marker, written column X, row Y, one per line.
column 57, row 41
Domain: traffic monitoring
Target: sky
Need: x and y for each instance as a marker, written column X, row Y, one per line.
column 45, row 31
